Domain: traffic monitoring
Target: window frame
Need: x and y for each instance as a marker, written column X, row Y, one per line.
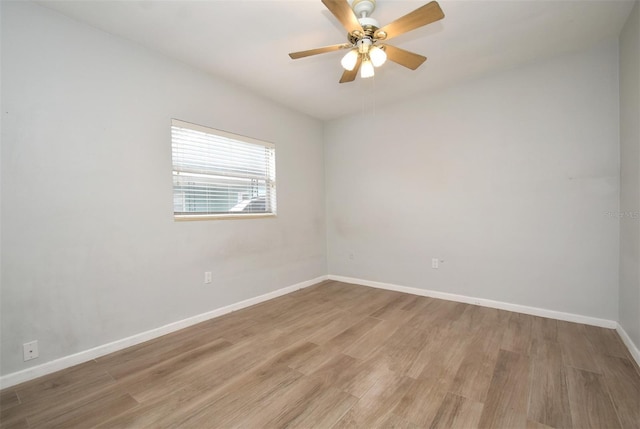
column 231, row 136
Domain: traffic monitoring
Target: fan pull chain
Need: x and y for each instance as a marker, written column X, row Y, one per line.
column 374, row 98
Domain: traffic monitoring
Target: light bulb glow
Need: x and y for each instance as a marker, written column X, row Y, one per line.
column 378, row 56
column 367, row 69
column 349, row 61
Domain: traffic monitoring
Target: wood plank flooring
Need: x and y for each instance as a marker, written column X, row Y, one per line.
column 337, row 355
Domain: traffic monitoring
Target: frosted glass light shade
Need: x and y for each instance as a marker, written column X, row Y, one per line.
column 378, row 56
column 367, row 69
column 349, row 61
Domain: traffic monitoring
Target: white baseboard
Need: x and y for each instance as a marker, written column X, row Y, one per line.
column 534, row 311
column 96, row 352
column 633, row 349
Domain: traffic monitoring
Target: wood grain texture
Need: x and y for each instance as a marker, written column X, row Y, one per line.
column 548, row 396
column 14, row 424
column 506, row 404
column 402, row 348
column 305, row 403
column 443, row 355
column 395, row 422
column 408, row 59
column 606, row 341
column 343, row 12
column 577, row 350
column 316, row 51
column 457, row 412
column 591, row 405
column 354, row 376
column 88, row 412
column 8, row 399
column 353, row 333
column 476, row 370
column 376, row 405
column 517, row 335
column 543, row 329
column 372, row 341
column 624, row 387
column 421, row 402
column 342, row 355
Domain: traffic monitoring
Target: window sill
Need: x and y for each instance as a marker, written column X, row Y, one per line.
column 226, row 216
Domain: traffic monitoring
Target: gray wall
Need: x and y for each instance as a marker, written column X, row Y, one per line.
column 630, row 176
column 90, row 250
column 512, row 180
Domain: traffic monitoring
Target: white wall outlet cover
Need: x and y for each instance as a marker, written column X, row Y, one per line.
column 30, row 350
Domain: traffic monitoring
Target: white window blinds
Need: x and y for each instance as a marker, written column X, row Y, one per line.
column 216, row 173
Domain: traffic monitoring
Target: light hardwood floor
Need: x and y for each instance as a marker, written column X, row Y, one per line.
column 337, row 355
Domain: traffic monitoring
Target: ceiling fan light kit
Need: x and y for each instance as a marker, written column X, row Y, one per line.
column 349, row 61
column 365, row 37
column 366, row 69
column 377, row 55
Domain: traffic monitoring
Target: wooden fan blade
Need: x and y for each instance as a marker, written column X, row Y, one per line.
column 350, row 76
column 316, row 51
column 343, row 12
column 424, row 15
column 404, row 58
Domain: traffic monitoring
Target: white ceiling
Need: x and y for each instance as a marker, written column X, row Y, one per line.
column 247, row 42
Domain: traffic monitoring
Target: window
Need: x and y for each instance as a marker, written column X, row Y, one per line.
column 219, row 174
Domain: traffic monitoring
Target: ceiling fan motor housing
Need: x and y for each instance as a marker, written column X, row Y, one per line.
column 369, row 22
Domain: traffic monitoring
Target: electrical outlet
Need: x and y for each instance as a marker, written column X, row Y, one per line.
column 207, row 277
column 435, row 263
column 30, row 350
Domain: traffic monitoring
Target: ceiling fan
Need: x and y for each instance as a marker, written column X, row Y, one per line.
column 365, row 37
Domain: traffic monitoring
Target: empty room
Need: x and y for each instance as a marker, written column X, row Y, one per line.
column 320, row 214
